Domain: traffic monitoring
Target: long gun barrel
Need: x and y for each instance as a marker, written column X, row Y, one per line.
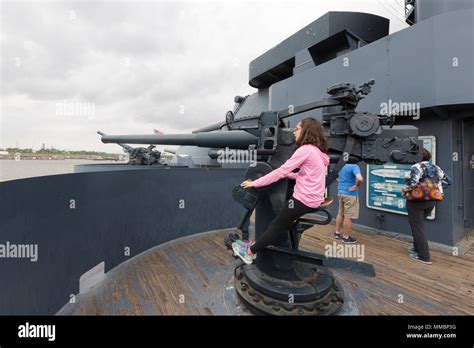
column 127, row 148
column 218, row 139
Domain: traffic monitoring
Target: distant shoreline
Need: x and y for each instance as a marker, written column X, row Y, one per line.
column 43, row 157
column 58, row 158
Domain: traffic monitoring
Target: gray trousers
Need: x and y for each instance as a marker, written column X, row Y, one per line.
column 417, row 213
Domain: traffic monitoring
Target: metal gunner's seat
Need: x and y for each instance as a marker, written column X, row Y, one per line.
column 309, row 220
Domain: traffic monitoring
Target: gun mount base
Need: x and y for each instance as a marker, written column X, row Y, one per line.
column 316, row 292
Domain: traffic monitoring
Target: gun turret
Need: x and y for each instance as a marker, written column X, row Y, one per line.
column 353, row 136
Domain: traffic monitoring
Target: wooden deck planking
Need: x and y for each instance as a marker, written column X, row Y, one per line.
column 200, row 267
column 445, row 287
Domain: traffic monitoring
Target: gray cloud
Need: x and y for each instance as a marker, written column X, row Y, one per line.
column 137, row 62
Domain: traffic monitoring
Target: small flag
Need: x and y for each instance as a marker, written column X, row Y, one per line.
column 156, row 131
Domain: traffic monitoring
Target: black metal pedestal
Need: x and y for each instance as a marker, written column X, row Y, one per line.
column 316, row 292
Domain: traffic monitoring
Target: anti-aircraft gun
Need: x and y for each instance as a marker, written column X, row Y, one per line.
column 353, row 136
column 140, row 155
column 284, row 279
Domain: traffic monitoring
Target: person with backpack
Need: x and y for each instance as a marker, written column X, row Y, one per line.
column 423, row 189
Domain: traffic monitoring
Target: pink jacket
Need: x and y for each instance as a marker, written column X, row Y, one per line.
column 310, row 180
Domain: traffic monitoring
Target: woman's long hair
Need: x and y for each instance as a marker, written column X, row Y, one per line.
column 312, row 133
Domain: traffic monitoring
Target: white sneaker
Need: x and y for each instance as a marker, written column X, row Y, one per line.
column 242, row 252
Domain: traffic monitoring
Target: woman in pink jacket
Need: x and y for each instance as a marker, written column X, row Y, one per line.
column 311, row 158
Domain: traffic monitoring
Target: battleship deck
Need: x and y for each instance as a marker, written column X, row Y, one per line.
column 193, row 275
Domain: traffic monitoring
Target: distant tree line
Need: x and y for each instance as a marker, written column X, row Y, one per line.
column 53, row 151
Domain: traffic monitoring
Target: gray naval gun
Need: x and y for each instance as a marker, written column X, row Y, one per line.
column 89, row 224
column 282, row 271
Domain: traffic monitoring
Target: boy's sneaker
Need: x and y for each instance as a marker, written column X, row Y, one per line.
column 348, row 240
column 337, row 235
column 242, row 252
column 417, row 258
column 411, row 250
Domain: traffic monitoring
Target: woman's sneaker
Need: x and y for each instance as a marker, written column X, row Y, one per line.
column 241, row 242
column 417, row 258
column 348, row 240
column 242, row 252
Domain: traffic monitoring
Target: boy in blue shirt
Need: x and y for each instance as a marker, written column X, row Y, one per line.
column 349, row 181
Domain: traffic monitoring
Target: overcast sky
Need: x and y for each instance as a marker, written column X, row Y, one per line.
column 70, row 68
